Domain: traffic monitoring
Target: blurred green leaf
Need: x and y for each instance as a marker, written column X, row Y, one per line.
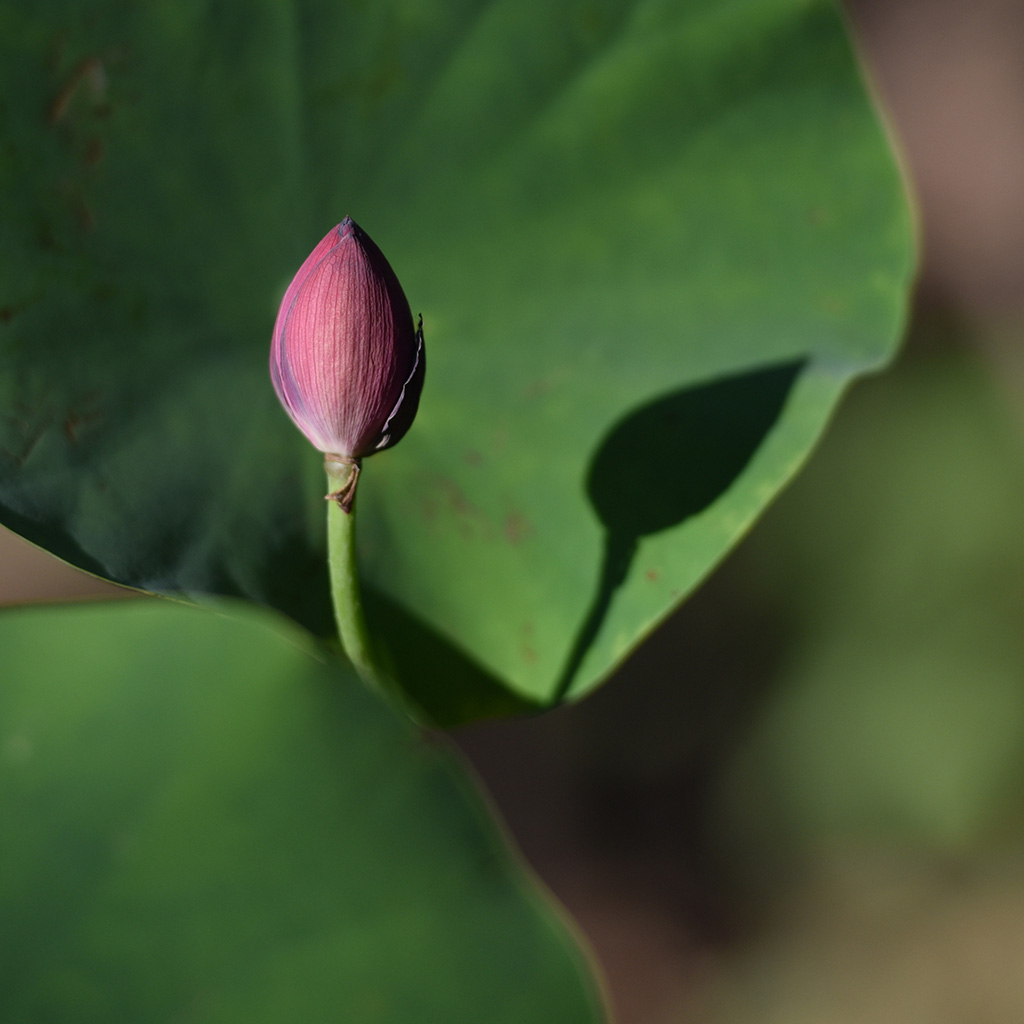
column 596, row 205
column 898, row 713
column 203, row 822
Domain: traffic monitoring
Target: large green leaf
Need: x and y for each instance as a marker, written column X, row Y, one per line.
column 596, row 205
column 202, row 822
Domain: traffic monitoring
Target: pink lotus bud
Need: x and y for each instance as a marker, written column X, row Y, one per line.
column 346, row 361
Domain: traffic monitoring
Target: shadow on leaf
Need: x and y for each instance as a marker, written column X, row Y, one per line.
column 663, row 464
column 449, row 685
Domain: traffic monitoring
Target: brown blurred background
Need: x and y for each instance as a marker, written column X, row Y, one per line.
column 802, row 799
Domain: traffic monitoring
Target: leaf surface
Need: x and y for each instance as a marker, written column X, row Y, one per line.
column 202, row 821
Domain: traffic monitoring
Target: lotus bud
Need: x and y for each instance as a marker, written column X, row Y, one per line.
column 346, row 361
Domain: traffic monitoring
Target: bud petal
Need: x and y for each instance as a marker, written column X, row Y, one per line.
column 346, row 361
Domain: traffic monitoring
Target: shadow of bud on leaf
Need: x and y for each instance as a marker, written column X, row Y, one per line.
column 669, row 461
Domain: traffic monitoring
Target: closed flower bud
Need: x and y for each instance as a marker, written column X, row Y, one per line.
column 346, row 361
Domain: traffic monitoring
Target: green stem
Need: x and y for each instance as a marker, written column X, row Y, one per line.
column 344, row 572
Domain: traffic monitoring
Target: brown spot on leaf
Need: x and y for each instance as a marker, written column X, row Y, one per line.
column 517, row 527
column 474, row 458
column 457, row 498
column 81, row 415
column 74, row 422
column 652, row 575
column 525, row 642
column 90, row 73
column 469, row 520
column 85, row 215
column 428, row 508
column 94, row 152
